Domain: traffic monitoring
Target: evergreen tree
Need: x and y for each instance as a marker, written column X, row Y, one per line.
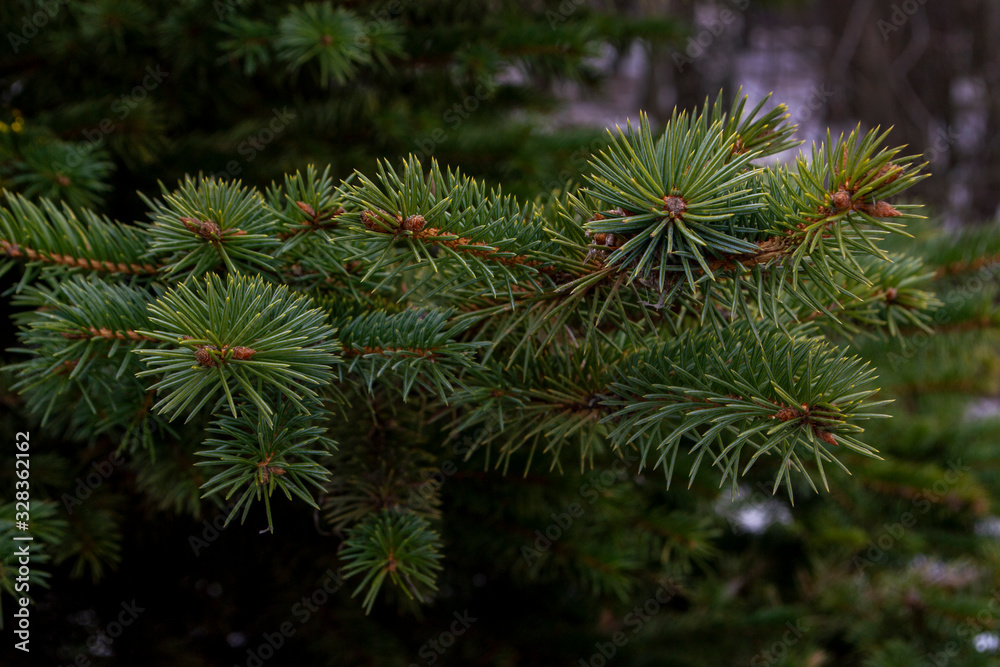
column 125, row 93
column 674, row 315
column 404, row 417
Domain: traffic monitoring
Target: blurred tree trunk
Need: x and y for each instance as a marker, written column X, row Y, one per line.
column 927, row 68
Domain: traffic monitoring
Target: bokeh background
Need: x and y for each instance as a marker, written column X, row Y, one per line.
column 895, row 566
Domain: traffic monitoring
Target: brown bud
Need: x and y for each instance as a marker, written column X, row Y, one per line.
column 893, row 170
column 826, row 437
column 306, row 208
column 784, row 414
column 209, row 229
column 414, row 223
column 891, row 294
column 205, row 357
column 206, row 229
column 674, row 206
column 241, row 353
column 63, row 180
column 883, row 209
column 368, row 220
column 193, row 224
column 842, row 200
column 600, row 238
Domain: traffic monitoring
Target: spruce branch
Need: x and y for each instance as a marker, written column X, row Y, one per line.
column 242, row 336
column 366, row 479
column 449, row 225
column 793, row 397
column 249, row 41
column 334, row 39
column 59, row 238
column 889, row 301
column 418, row 346
column 671, row 201
column 304, row 204
column 206, row 224
column 79, row 338
column 261, row 453
column 736, row 219
column 547, row 405
column 46, row 167
column 395, row 545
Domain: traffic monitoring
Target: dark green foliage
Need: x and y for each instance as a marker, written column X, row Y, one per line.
column 667, row 334
column 150, row 90
column 277, row 452
column 393, row 545
column 461, row 398
column 243, row 336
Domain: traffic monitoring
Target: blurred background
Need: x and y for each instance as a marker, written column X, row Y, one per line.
column 896, row 566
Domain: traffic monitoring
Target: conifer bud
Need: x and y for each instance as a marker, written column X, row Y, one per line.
column 241, row 353
column 826, row 437
column 893, row 170
column 674, row 206
column 306, row 208
column 785, row 414
column 368, row 220
column 883, row 209
column 842, row 200
column 414, row 223
column 205, row 357
column 206, row 229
